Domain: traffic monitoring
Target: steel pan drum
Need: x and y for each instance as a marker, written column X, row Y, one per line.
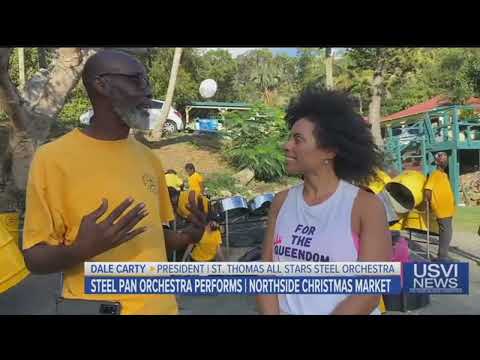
column 392, row 216
column 235, row 205
column 407, row 189
column 260, row 204
column 254, row 254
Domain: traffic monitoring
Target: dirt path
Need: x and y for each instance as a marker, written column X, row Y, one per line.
column 204, row 151
column 175, row 156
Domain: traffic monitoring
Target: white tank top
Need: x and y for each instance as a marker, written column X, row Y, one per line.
column 315, row 233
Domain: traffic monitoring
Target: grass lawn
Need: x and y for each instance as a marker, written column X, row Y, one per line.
column 467, row 219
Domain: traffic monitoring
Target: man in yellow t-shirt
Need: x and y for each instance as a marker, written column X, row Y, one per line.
column 173, row 180
column 99, row 195
column 209, row 246
column 181, row 200
column 195, row 180
column 439, row 194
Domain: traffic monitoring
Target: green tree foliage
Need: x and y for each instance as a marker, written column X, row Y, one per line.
column 31, row 63
column 311, row 67
column 77, row 103
column 245, row 88
column 256, row 138
column 222, row 67
column 415, row 86
column 186, row 89
column 354, row 81
column 392, row 64
column 443, row 70
column 409, row 76
column 472, row 70
column 266, row 75
column 289, row 86
column 389, row 66
column 218, row 182
column 262, row 75
column 453, row 72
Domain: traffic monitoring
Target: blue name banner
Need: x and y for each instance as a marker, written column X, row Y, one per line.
column 242, row 285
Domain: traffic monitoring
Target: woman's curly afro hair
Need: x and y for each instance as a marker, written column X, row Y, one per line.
column 340, row 128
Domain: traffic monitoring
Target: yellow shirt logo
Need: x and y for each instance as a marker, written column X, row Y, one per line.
column 150, row 183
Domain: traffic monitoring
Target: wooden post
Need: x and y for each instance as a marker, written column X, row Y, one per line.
column 227, row 233
column 424, row 157
column 175, row 230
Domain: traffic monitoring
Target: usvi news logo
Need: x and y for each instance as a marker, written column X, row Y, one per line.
column 436, row 278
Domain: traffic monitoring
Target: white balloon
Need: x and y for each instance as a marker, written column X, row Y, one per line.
column 208, row 88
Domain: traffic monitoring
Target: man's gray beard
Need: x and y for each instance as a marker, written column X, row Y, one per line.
column 133, row 117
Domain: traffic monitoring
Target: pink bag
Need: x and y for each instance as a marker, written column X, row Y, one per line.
column 400, row 251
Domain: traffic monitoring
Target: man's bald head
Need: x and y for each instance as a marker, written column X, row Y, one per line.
column 119, row 90
column 108, row 61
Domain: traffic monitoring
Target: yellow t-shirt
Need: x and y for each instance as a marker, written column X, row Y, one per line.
column 194, row 182
column 173, row 181
column 443, row 203
column 207, row 247
column 67, row 180
column 183, row 202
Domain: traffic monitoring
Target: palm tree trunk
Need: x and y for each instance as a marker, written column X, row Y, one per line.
column 374, row 115
column 171, row 89
column 21, row 66
column 329, row 68
column 267, row 97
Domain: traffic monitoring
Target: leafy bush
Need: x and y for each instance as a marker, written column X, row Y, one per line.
column 266, row 160
column 76, row 104
column 3, row 116
column 31, row 62
column 218, row 182
column 256, row 137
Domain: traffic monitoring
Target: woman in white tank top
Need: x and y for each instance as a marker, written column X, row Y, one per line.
column 327, row 218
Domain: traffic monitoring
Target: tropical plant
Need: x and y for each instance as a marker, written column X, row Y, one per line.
column 217, row 183
column 256, row 138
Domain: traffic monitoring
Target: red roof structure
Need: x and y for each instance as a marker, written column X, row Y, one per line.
column 426, row 106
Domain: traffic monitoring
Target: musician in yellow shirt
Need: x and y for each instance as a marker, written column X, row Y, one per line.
column 99, row 195
column 439, row 194
column 173, row 180
column 209, row 246
column 182, row 200
column 195, row 180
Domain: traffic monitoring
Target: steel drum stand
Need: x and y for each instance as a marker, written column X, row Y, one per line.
column 227, row 240
column 428, row 229
column 188, row 252
column 175, row 230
